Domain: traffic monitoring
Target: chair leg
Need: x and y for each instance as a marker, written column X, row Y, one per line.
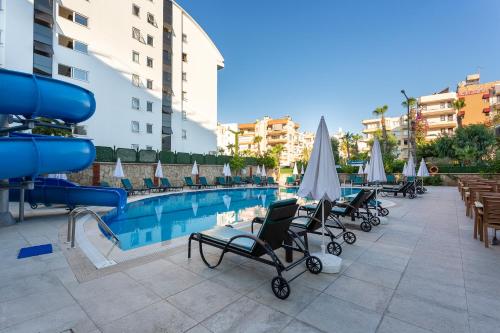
column 476, row 218
column 485, row 234
column 480, row 229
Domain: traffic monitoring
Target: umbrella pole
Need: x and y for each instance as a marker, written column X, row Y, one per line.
column 323, row 247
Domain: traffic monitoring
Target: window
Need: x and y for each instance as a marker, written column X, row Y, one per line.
column 134, row 146
column 70, row 43
column 135, row 127
column 136, row 103
column 149, row 106
column 184, row 115
column 149, row 40
column 149, row 128
column 184, row 134
column 73, row 16
column 135, row 56
column 184, row 76
column 149, row 148
column 184, row 96
column 450, row 117
column 184, row 57
column 136, row 80
column 443, row 118
column 450, row 130
column 442, row 105
column 149, row 84
column 136, row 34
column 443, row 130
column 151, row 20
column 72, row 72
column 184, row 38
column 149, row 62
column 136, row 10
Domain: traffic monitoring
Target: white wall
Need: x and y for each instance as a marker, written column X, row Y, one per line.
column 110, row 67
column 201, row 86
column 16, row 23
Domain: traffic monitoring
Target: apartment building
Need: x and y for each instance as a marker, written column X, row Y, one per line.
column 226, row 137
column 494, row 97
column 266, row 133
column 478, row 98
column 438, row 113
column 151, row 67
column 395, row 125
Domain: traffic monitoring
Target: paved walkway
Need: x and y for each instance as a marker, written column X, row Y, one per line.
column 422, row 272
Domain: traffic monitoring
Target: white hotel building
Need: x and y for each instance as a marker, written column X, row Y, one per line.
column 152, row 68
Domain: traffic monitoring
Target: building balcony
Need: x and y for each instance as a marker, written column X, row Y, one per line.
column 442, row 124
column 276, row 132
column 437, row 112
column 371, row 130
column 276, row 141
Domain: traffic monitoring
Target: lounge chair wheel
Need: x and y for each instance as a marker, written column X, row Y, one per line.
column 375, row 220
column 281, row 289
column 334, row 248
column 384, row 212
column 349, row 237
column 314, row 265
column 365, row 226
column 33, row 206
column 420, row 191
column 412, row 196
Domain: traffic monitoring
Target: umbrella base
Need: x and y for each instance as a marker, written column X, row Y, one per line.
column 383, row 220
column 331, row 264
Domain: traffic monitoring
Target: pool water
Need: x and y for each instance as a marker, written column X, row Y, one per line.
column 167, row 217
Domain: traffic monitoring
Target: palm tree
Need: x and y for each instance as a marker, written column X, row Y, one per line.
column 380, row 111
column 458, row 105
column 346, row 142
column 411, row 100
column 256, row 141
column 355, row 139
column 236, row 140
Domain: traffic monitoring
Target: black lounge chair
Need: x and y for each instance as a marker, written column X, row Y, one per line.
column 271, row 181
column 237, row 181
column 165, row 184
column 188, row 181
column 272, row 235
column 204, row 183
column 312, row 223
column 404, row 189
column 222, row 182
column 131, row 190
column 148, row 182
column 351, row 209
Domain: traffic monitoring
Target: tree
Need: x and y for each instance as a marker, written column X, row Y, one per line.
column 237, row 163
column 276, row 152
column 355, row 139
column 335, row 148
column 306, row 154
column 51, row 130
column 474, row 143
column 412, row 102
column 231, row 148
column 256, row 141
column 380, row 111
column 458, row 105
column 390, row 142
column 443, row 146
column 236, row 140
column 346, row 144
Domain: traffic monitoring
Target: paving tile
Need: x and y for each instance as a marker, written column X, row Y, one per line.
column 67, row 318
column 436, row 273
column 246, row 315
column 365, row 294
column 203, row 300
column 198, row 329
column 481, row 324
column 483, row 304
column 300, row 297
column 112, row 297
column 196, row 265
column 377, row 275
column 163, row 277
column 444, row 294
column 158, row 317
column 393, row 262
column 28, row 285
column 316, row 281
column 392, row 325
column 241, row 279
column 297, row 326
column 423, row 313
column 331, row 314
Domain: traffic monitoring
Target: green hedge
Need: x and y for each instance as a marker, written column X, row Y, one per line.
column 183, row 158
column 167, row 157
column 211, row 159
column 468, row 169
column 199, row 158
column 126, row 155
column 147, row 156
column 104, row 154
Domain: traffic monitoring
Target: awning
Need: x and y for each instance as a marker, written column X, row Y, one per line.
column 486, row 96
column 44, row 17
column 486, row 110
column 42, row 47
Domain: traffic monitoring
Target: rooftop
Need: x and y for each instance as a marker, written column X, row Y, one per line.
column 420, row 272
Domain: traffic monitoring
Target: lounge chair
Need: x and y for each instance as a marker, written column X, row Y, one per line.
column 405, row 188
column 312, row 223
column 204, row 183
column 165, row 184
column 271, row 181
column 371, row 203
column 238, row 181
column 148, row 183
column 391, row 179
column 257, row 181
column 290, row 181
column 272, row 236
column 357, row 179
column 351, row 209
column 131, row 190
column 188, row 181
column 103, row 183
column 222, row 181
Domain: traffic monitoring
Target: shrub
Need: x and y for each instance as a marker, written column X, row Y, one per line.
column 433, row 181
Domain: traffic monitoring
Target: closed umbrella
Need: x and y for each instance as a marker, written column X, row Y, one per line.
column 295, row 172
column 410, row 171
column 405, row 168
column 422, row 170
column 321, row 182
column 263, row 171
column 360, row 170
column 367, row 168
column 224, row 170
column 302, row 169
column 118, row 173
column 228, row 171
column 376, row 172
column 194, row 170
column 159, row 170
column 257, row 172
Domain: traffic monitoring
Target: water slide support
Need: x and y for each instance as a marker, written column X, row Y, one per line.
column 5, row 215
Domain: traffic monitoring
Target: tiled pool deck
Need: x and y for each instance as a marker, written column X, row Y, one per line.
column 422, row 272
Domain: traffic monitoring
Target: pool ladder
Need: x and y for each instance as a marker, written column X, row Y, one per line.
column 84, row 210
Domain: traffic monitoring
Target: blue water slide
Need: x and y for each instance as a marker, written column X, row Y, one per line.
column 27, row 155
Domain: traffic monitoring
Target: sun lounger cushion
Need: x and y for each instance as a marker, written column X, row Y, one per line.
column 339, row 210
column 302, row 221
column 223, row 234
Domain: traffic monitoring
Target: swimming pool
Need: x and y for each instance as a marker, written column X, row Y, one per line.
column 163, row 218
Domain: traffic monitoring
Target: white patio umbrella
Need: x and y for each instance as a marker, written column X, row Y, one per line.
column 194, row 170
column 228, row 171
column 376, row 173
column 367, row 168
column 422, row 170
column 410, row 167
column 302, row 169
column 263, row 171
column 295, row 172
column 159, row 170
column 118, row 173
column 257, row 172
column 405, row 168
column 321, row 182
column 360, row 170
